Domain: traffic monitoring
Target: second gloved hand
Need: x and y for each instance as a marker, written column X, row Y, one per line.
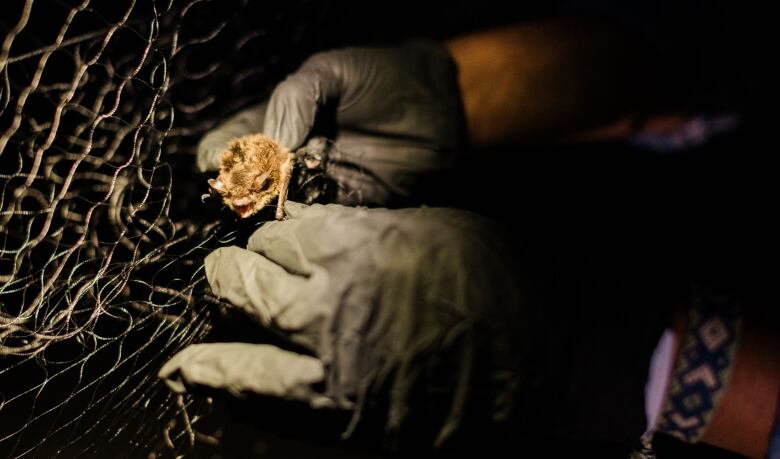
column 391, row 303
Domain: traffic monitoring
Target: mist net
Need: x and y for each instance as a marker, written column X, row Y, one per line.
column 102, row 233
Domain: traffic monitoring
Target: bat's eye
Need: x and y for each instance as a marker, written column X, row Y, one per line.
column 262, row 183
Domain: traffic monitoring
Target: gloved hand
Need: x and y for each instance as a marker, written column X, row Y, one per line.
column 389, row 302
column 397, row 114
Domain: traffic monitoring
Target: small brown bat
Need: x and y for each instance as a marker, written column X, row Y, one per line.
column 253, row 171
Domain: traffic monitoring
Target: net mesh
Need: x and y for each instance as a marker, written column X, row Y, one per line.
column 102, row 235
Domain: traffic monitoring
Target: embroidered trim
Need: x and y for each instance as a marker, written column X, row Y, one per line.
column 702, row 368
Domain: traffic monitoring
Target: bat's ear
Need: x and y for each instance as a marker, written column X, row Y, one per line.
column 258, row 183
column 217, row 185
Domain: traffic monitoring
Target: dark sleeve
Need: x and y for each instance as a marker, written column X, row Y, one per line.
column 595, row 336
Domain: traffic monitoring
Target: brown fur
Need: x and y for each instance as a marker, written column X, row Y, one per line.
column 253, row 171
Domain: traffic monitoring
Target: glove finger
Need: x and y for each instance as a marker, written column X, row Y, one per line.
column 241, row 367
column 294, row 103
column 263, row 289
column 317, row 234
column 295, row 210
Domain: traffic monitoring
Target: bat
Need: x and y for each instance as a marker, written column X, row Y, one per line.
column 253, row 171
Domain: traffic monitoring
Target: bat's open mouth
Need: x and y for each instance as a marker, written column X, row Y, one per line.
column 245, row 210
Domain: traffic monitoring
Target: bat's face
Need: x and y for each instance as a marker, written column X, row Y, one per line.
column 250, row 174
column 246, row 192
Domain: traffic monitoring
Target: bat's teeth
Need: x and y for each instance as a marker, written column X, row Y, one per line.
column 244, row 211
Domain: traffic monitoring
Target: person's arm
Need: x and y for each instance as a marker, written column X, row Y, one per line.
column 566, row 79
column 551, row 80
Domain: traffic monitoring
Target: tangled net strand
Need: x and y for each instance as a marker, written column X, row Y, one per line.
column 101, row 243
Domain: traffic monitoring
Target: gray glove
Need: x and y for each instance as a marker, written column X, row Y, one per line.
column 397, row 114
column 386, row 300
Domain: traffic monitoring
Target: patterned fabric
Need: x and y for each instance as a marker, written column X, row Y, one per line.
column 701, row 372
